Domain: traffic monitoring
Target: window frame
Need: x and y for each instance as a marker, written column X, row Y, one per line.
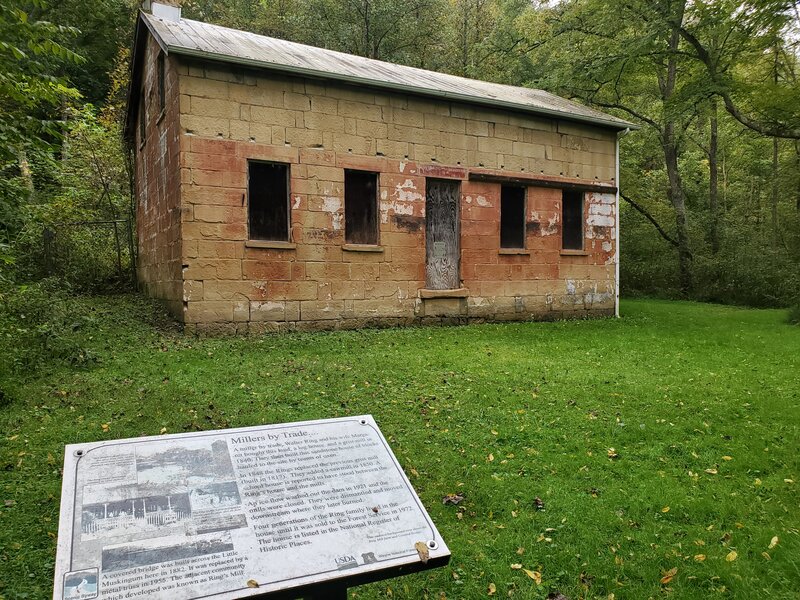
column 582, row 221
column 524, row 212
column 288, row 174
column 376, row 205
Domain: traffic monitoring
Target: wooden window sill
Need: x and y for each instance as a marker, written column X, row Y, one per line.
column 455, row 293
column 574, row 253
column 513, row 251
column 362, row 248
column 270, row 245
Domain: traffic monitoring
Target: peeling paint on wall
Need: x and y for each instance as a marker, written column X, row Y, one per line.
column 600, row 221
column 399, row 208
column 586, row 293
column 407, row 192
column 552, row 226
column 333, row 206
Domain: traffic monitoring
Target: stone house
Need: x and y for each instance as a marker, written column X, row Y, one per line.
column 283, row 186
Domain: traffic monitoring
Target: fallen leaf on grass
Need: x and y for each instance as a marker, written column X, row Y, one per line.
column 422, row 550
column 699, row 557
column 490, row 458
column 732, row 556
column 773, row 542
column 252, row 583
column 520, row 550
column 492, row 589
column 538, row 503
column 516, row 566
column 163, row 430
column 665, row 509
column 711, row 471
column 10, row 502
column 612, row 454
column 535, row 575
column 766, row 556
column 452, row 499
column 106, row 426
column 727, row 458
column 556, row 596
column 669, row 575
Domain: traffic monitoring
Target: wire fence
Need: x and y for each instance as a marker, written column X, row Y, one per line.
column 91, row 254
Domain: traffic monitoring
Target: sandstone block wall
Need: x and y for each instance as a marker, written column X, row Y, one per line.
column 158, row 189
column 230, row 115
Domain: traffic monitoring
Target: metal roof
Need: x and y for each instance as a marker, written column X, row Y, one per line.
column 212, row 42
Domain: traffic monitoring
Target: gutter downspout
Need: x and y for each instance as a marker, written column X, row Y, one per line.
column 616, row 226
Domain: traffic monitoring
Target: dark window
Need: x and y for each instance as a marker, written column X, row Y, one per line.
column 512, row 217
column 162, row 83
column 142, row 120
column 268, row 201
column 360, row 207
column 572, row 220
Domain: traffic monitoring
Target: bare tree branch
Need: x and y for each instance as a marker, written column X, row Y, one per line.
column 639, row 208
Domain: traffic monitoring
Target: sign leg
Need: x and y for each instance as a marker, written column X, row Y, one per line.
column 329, row 592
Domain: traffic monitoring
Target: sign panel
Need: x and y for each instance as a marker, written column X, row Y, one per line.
column 237, row 513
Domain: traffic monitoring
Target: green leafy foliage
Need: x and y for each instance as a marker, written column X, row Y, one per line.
column 43, row 323
column 83, row 231
column 29, row 56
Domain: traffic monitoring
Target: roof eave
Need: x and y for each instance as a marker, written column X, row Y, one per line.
column 617, row 125
column 137, row 55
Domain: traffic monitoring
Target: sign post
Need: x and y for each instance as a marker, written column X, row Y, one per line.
column 279, row 511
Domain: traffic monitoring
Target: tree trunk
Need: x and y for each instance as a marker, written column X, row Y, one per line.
column 774, row 196
column 713, row 178
column 676, row 197
column 797, row 164
column 670, row 145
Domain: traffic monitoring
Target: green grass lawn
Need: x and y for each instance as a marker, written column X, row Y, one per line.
column 665, row 440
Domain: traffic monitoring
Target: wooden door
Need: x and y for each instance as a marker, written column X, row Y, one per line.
column 442, row 233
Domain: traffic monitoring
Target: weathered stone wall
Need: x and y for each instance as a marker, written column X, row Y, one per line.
column 230, row 115
column 158, row 190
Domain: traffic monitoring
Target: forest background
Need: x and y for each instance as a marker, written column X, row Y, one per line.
column 710, row 183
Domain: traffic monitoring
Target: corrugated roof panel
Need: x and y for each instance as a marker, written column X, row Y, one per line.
column 230, row 45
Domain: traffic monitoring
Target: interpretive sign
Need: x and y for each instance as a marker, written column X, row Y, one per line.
column 238, row 513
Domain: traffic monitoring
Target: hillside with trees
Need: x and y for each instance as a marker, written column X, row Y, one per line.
column 711, row 183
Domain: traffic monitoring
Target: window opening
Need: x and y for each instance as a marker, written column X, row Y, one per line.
column 142, row 121
column 572, row 220
column 360, row 207
column 512, row 217
column 162, row 84
column 268, row 201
